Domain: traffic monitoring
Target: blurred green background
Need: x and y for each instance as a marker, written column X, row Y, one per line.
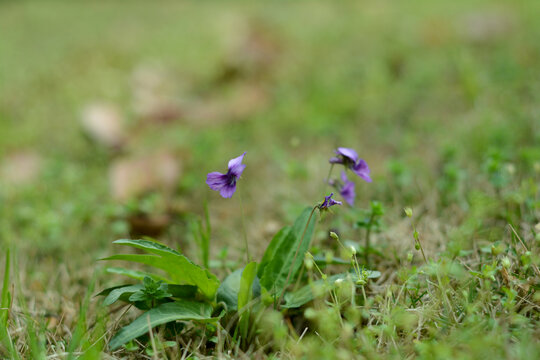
column 410, row 85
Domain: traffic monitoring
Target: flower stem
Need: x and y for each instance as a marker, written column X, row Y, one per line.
column 417, row 241
column 368, row 235
column 296, row 254
column 244, row 227
column 326, row 182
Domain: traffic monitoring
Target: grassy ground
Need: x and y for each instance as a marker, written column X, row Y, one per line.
column 440, row 98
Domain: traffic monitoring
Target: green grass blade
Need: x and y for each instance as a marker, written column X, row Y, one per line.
column 311, row 291
column 81, row 326
column 4, row 305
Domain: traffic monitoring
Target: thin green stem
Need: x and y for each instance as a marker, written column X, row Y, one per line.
column 368, row 235
column 244, row 227
column 422, row 251
column 296, row 254
column 326, row 182
column 417, row 239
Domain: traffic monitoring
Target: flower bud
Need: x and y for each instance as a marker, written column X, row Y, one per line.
column 496, row 250
column 511, row 169
column 328, row 257
column 361, row 282
column 334, row 236
column 506, row 262
column 308, row 262
column 408, row 211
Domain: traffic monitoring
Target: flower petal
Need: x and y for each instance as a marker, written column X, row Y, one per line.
column 347, row 190
column 227, row 191
column 348, row 153
column 348, row 193
column 216, row 180
column 362, row 169
column 335, row 160
column 235, row 165
column 328, row 201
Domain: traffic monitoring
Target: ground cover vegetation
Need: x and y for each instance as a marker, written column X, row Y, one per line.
column 353, row 180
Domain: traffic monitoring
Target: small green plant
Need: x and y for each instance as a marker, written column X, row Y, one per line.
column 181, row 290
column 152, row 290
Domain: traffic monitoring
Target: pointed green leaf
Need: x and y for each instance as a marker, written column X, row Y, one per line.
column 271, row 250
column 172, row 311
column 230, row 287
column 150, row 246
column 246, row 284
column 134, row 274
column 180, row 270
column 282, row 257
column 115, row 294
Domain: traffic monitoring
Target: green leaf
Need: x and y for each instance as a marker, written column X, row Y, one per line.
column 244, row 297
column 172, row 311
column 182, row 291
column 230, row 287
column 139, row 296
column 179, row 268
column 281, row 252
column 246, row 284
column 150, row 246
column 115, row 294
column 309, row 292
column 134, row 274
column 4, row 303
column 272, row 249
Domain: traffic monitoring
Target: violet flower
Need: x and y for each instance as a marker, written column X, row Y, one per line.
column 328, row 201
column 349, row 158
column 346, row 190
column 226, row 183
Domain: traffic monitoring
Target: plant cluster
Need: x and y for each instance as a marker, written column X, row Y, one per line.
column 286, row 278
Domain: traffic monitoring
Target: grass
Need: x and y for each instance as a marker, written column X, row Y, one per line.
column 441, row 99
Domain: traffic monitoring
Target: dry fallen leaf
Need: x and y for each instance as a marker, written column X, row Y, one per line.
column 485, row 26
column 104, row 124
column 244, row 101
column 148, row 225
column 253, row 50
column 21, row 168
column 156, row 94
column 134, row 176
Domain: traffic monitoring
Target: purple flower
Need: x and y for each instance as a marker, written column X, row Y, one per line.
column 347, row 189
column 349, row 158
column 328, row 201
column 226, row 183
